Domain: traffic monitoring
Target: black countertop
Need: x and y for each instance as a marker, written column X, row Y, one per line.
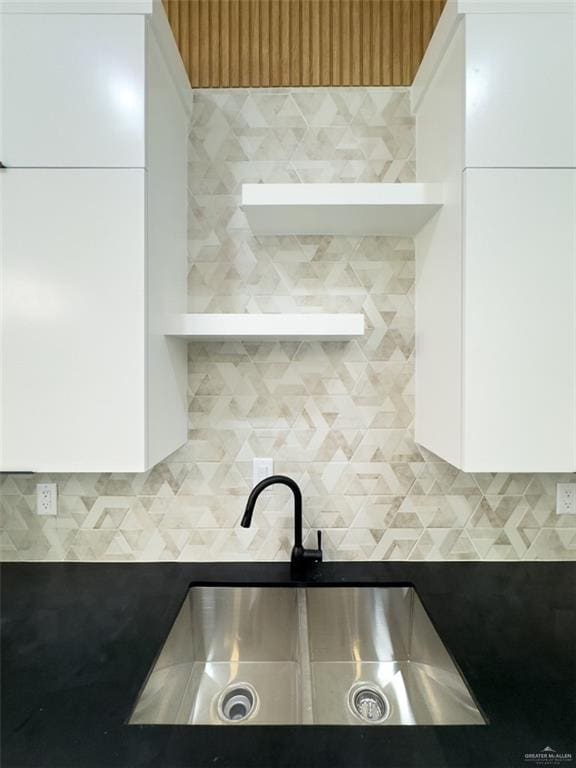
column 78, row 640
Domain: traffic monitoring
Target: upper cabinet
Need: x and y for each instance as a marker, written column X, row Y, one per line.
column 519, row 322
column 93, row 199
column 509, row 70
column 74, row 308
column 496, row 266
column 520, row 91
column 73, row 90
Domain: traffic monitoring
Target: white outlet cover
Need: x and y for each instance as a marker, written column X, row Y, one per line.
column 566, row 499
column 261, row 469
column 46, row 498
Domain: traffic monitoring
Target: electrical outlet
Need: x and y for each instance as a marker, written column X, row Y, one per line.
column 566, row 499
column 46, row 499
column 261, row 468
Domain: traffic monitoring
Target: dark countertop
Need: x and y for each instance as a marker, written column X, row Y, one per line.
column 78, row 640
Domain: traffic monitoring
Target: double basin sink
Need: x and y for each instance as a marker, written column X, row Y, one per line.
column 364, row 656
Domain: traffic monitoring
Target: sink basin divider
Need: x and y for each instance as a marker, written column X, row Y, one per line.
column 305, row 666
column 411, row 623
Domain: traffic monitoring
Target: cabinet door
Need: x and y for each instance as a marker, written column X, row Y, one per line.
column 72, row 90
column 519, row 346
column 72, row 394
column 167, row 263
column 521, row 90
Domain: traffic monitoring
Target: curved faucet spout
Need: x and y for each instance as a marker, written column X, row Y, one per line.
column 299, row 554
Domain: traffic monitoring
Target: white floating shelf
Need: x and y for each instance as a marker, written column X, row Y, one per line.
column 252, row 327
column 340, row 209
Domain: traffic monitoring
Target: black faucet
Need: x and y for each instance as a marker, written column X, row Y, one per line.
column 300, row 555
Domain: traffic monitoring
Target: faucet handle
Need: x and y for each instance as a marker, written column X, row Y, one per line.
column 301, row 555
column 319, row 550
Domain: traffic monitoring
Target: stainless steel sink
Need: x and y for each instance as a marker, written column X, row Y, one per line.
column 226, row 639
column 322, row 655
column 381, row 641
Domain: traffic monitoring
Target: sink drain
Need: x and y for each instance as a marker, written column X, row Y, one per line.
column 369, row 704
column 237, row 703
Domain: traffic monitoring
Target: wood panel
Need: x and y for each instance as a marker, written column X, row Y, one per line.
column 262, row 43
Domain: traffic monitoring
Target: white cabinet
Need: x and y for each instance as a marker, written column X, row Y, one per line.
column 496, row 267
column 496, row 324
column 73, row 296
column 93, row 258
column 520, row 83
column 73, row 88
column 515, row 73
column 519, row 335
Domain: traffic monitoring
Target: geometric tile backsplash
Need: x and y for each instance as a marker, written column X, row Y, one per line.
column 336, row 416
